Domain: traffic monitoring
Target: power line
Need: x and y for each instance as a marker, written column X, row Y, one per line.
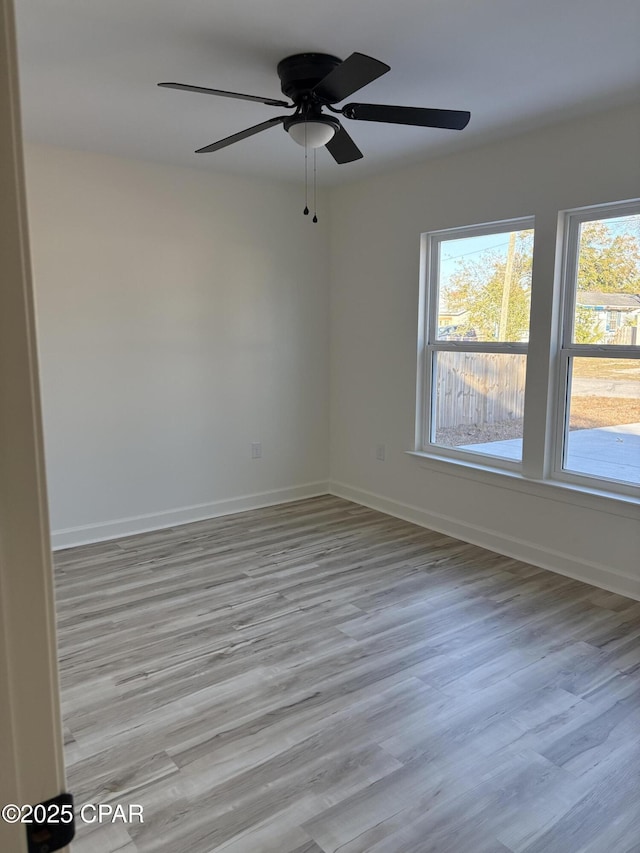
column 619, row 223
column 475, row 251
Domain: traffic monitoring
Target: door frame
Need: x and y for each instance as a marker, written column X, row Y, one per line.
column 31, row 744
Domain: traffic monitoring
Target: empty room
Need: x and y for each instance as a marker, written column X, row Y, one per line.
column 320, row 427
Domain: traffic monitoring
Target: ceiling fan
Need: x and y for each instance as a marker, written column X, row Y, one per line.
column 315, row 81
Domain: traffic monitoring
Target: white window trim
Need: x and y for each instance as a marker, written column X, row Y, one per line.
column 571, row 221
column 429, row 345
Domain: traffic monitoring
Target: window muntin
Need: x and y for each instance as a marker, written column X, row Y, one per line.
column 476, row 320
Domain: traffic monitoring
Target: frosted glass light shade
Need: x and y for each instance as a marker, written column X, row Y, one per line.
column 317, row 133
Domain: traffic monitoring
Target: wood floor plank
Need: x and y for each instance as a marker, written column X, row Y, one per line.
column 318, row 676
column 610, row 792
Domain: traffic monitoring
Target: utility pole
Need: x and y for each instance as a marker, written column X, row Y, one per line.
column 506, row 288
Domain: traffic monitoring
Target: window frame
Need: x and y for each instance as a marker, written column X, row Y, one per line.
column 571, row 220
column 545, row 420
column 429, row 345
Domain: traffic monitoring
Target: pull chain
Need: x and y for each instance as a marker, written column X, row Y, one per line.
column 306, row 173
column 315, row 188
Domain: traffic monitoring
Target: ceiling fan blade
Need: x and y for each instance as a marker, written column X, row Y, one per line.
column 187, row 88
column 250, row 131
column 342, row 147
column 355, row 72
column 422, row 117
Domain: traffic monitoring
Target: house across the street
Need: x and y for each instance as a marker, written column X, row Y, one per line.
column 617, row 313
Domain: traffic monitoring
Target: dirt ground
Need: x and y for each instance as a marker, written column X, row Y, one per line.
column 455, row 436
column 586, row 413
column 591, row 412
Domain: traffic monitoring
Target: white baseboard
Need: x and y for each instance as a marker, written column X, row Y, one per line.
column 529, row 552
column 86, row 534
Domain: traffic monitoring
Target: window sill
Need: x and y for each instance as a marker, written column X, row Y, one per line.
column 597, row 499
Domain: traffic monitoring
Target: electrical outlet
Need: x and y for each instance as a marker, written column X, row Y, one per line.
column 380, row 451
column 256, row 450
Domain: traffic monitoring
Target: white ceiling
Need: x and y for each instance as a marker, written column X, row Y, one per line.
column 89, row 72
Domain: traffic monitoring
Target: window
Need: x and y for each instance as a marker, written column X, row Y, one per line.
column 475, row 332
column 614, row 320
column 599, row 388
column 583, row 415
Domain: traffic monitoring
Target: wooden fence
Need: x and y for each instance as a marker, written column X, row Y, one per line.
column 625, row 336
column 479, row 388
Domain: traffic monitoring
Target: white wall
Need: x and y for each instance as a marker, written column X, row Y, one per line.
column 375, row 238
column 182, row 316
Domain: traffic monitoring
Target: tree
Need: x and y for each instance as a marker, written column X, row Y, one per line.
column 588, row 329
column 477, row 287
column 609, row 262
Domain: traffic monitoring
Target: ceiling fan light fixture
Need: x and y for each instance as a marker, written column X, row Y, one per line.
column 313, row 134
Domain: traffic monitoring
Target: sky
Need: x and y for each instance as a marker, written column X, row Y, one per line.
column 468, row 247
column 472, row 247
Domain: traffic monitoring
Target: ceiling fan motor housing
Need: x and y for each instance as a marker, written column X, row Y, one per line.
column 302, row 71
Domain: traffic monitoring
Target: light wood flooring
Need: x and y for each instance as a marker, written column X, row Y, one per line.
column 322, row 677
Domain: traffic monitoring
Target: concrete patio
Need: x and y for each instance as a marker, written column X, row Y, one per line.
column 609, row 452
